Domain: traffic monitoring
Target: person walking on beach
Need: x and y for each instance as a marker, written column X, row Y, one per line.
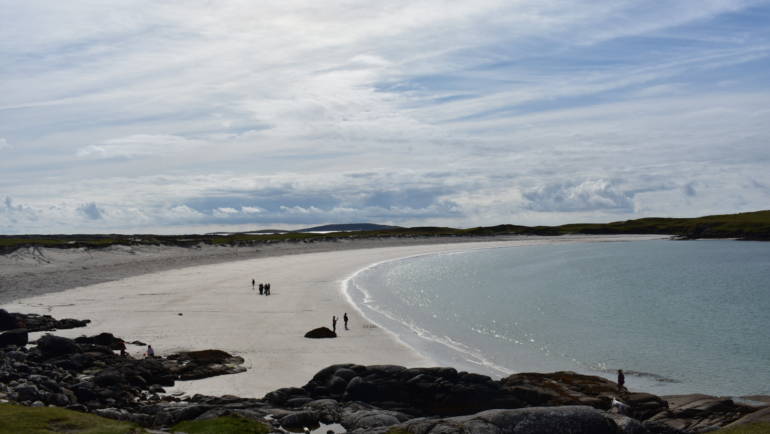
column 345, row 319
column 261, row 288
column 334, row 324
column 267, row 288
column 621, row 381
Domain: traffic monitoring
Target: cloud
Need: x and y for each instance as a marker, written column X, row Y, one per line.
column 90, row 211
column 138, row 145
column 188, row 115
column 587, row 195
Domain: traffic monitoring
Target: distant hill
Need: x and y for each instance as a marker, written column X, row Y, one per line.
column 349, row 227
column 743, row 226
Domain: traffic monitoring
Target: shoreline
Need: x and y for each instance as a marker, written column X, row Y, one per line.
column 35, row 271
column 213, row 306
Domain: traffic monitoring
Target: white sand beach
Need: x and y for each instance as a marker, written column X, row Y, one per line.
column 214, row 306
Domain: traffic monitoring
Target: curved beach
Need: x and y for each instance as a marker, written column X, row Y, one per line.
column 214, row 306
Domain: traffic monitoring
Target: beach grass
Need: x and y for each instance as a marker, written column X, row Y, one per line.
column 221, row 425
column 44, row 420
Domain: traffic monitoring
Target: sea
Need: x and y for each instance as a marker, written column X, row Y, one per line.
column 677, row 316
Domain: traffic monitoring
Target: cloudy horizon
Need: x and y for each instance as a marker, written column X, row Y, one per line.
column 197, row 116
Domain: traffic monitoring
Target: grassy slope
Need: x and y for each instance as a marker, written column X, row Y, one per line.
column 44, row 420
column 748, row 226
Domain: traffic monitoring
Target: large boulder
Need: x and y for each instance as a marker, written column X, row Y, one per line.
column 103, row 339
column 17, row 337
column 320, row 332
column 417, row 391
column 8, row 320
column 54, row 346
column 532, row 420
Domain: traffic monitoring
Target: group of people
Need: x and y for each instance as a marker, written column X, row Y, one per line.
column 264, row 288
column 344, row 319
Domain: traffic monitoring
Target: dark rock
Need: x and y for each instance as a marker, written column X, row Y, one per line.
column 8, row 321
column 697, row 412
column 27, row 392
column 17, row 337
column 660, row 428
column 321, row 332
column 300, row 419
column 36, row 323
column 533, row 420
column 52, row 346
column 761, row 415
column 103, row 339
column 283, row 395
column 110, row 378
column 369, row 419
column 328, row 410
column 203, row 364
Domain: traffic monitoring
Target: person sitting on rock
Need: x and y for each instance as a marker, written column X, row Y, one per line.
column 150, row 351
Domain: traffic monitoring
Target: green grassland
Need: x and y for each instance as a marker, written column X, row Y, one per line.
column 15, row 419
column 744, row 226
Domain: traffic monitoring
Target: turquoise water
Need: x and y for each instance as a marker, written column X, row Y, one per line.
column 678, row 316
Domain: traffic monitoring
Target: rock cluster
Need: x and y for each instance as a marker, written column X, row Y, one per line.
column 86, row 374
column 37, row 323
column 92, row 377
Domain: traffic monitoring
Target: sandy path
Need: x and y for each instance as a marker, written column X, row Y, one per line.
column 220, row 310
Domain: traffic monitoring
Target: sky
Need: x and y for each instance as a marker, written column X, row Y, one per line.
column 200, row 116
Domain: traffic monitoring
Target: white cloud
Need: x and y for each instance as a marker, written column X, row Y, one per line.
column 138, row 145
column 189, row 113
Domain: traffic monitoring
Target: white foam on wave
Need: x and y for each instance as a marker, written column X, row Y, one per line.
column 366, row 306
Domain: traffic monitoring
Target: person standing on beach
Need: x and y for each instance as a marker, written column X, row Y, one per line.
column 267, row 288
column 261, row 288
column 621, row 381
column 334, row 324
column 345, row 319
column 253, row 282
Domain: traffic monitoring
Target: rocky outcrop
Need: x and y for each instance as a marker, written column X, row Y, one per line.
column 194, row 365
column 86, row 374
column 701, row 413
column 320, row 333
column 104, row 339
column 533, row 420
column 37, row 323
column 569, row 388
column 416, row 391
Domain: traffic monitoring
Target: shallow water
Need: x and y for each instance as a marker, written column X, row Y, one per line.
column 678, row 316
